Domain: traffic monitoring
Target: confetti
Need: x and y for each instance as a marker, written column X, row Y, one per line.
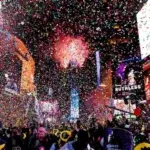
column 48, row 29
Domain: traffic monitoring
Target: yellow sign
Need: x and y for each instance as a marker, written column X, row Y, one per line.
column 28, row 67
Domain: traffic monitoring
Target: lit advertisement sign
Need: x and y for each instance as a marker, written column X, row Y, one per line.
column 146, row 64
column 1, row 18
column 128, row 79
column 74, row 114
column 119, row 104
column 146, row 67
column 147, row 87
column 52, row 108
column 143, row 20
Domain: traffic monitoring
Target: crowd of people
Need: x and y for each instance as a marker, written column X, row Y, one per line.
column 93, row 135
column 18, row 132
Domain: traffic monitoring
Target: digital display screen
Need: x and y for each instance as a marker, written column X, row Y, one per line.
column 119, row 104
column 51, row 108
column 143, row 20
column 146, row 67
column 74, row 114
column 128, row 78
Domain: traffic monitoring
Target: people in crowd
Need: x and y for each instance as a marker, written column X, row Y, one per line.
column 76, row 136
column 82, row 142
column 15, row 141
column 41, row 140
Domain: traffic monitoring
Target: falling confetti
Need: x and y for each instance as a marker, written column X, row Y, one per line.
column 110, row 28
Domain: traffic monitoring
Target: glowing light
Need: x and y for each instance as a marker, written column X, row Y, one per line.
column 13, row 45
column 1, row 17
column 71, row 50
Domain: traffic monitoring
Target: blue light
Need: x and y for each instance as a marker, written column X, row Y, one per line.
column 74, row 98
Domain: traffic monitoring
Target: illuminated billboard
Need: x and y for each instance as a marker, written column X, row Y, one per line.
column 52, row 108
column 128, row 78
column 147, row 87
column 146, row 68
column 143, row 20
column 14, row 51
column 1, row 18
column 74, row 114
column 119, row 104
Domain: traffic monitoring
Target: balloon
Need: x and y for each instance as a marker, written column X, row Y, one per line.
column 137, row 112
column 142, row 146
column 2, row 146
column 55, row 131
column 24, row 136
column 65, row 139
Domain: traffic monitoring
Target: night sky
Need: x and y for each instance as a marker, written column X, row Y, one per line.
column 38, row 23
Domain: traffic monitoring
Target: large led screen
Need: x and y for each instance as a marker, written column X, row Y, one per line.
column 147, row 87
column 146, row 68
column 74, row 114
column 143, row 20
column 52, row 108
column 1, row 18
column 119, row 104
column 128, row 79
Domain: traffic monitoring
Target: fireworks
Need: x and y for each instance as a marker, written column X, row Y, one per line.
column 71, row 50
